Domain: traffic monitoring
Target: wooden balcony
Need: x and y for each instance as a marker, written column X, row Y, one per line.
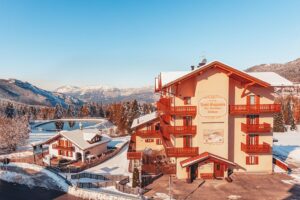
column 182, row 130
column 182, row 151
column 254, row 109
column 134, row 155
column 256, row 128
column 148, row 133
column 258, row 148
column 177, row 110
column 59, row 147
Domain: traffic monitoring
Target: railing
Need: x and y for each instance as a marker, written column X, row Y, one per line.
column 148, row 133
column 134, row 155
column 177, row 110
column 56, row 146
column 182, row 151
column 256, row 128
column 257, row 148
column 182, row 130
column 254, row 109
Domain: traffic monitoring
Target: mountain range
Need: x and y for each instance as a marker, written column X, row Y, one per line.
column 26, row 93
column 289, row 70
column 107, row 94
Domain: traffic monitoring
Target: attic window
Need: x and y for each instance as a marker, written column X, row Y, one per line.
column 187, row 100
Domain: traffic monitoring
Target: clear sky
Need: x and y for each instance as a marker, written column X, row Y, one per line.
column 126, row 43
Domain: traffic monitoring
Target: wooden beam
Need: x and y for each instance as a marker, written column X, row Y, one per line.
column 246, row 87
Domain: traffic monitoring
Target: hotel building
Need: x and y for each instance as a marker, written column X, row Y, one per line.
column 210, row 121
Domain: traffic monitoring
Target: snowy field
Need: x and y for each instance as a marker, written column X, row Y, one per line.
column 288, row 149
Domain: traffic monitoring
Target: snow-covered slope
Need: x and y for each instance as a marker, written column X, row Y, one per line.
column 106, row 94
column 24, row 92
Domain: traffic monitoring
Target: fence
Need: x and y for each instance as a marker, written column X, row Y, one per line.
column 118, row 181
column 94, row 163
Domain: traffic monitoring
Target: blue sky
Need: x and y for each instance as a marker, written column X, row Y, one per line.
column 126, row 43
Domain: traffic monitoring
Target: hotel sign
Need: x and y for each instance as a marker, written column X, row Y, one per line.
column 213, row 106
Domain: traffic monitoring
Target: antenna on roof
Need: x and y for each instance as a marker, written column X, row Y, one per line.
column 203, row 62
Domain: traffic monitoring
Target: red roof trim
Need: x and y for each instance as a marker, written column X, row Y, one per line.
column 223, row 67
column 202, row 157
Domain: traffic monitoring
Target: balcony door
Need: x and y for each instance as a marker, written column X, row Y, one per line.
column 252, row 139
column 187, row 121
column 252, row 119
column 253, row 100
column 187, row 141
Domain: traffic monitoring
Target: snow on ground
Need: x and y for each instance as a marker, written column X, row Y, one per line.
column 15, row 177
column 100, row 194
column 288, row 149
column 288, row 146
column 17, row 154
column 117, row 165
column 162, row 196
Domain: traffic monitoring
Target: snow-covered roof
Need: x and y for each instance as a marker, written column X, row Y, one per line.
column 144, row 119
column 167, row 77
column 272, row 78
column 77, row 137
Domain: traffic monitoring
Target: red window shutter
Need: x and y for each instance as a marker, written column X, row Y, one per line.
column 256, row 139
column 247, row 160
column 256, row 160
column 248, row 100
column 184, row 141
column 257, row 99
column 248, row 119
column 247, row 139
column 257, row 119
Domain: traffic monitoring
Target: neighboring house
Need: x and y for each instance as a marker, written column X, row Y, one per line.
column 78, row 144
column 212, row 120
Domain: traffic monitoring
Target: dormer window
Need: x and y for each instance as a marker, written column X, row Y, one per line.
column 187, row 100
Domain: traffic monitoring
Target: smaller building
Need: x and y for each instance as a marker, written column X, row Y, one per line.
column 78, row 144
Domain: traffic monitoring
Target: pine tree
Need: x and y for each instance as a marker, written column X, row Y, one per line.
column 291, row 117
column 278, row 125
column 135, row 178
column 9, row 110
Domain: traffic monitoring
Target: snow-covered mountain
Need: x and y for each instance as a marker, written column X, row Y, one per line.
column 26, row 93
column 289, row 70
column 108, row 94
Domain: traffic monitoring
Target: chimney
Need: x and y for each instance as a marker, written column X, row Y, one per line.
column 203, row 62
column 192, row 67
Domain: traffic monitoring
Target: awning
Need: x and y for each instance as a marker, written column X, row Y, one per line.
column 205, row 157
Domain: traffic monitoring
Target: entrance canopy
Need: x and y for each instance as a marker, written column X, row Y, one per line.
column 205, row 157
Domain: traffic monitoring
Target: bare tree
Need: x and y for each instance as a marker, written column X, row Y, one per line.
column 13, row 132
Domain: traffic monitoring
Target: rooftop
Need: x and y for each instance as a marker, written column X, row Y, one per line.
column 144, row 119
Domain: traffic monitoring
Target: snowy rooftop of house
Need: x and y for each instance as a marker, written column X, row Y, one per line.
column 272, row 78
column 144, row 119
column 78, row 137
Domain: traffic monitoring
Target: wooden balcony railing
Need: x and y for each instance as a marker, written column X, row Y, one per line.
column 182, row 130
column 59, row 147
column 182, row 151
column 177, row 110
column 134, row 155
column 254, row 109
column 256, row 128
column 258, row 148
column 148, row 133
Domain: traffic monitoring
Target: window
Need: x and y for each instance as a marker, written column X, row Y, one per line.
column 149, row 140
column 252, row 160
column 187, row 101
column 252, row 139
column 252, row 99
column 158, row 141
column 252, row 119
column 187, row 121
column 187, row 141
